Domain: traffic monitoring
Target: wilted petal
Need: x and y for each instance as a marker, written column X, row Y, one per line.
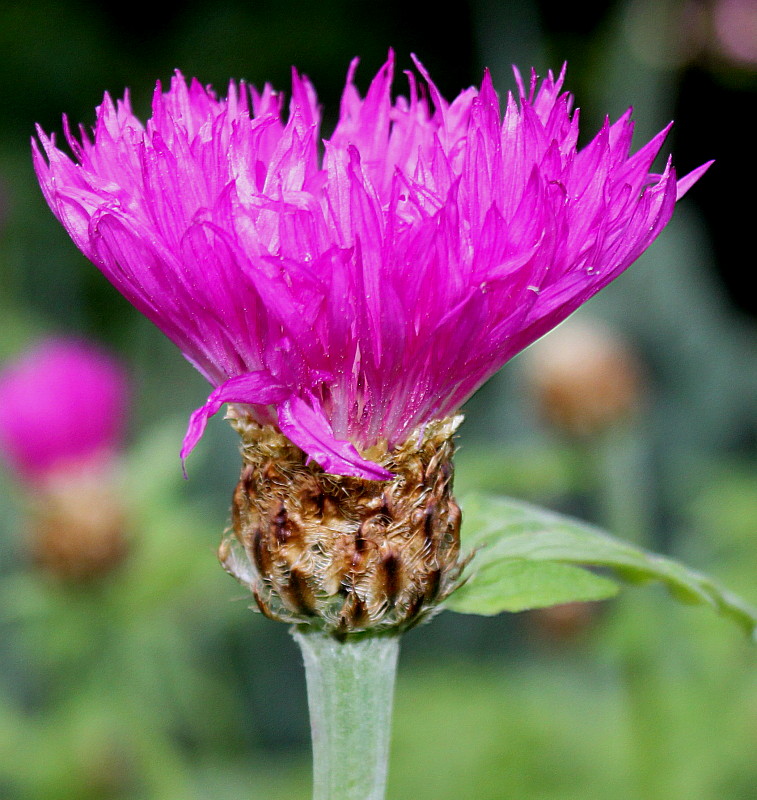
column 253, row 388
column 309, row 429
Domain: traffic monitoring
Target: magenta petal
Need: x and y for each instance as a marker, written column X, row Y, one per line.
column 388, row 277
column 253, row 388
column 685, row 183
column 311, row 431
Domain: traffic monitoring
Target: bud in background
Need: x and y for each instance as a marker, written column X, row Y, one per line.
column 586, row 382
column 62, row 417
column 584, row 378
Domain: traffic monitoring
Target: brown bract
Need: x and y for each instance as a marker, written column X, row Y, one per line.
column 585, row 378
column 339, row 553
column 78, row 529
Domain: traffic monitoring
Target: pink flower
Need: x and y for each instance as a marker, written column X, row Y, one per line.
column 352, row 296
column 62, row 405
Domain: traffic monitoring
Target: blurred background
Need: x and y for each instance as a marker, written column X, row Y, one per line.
column 150, row 680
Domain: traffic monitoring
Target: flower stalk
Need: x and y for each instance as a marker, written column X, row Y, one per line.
column 345, row 297
column 350, row 687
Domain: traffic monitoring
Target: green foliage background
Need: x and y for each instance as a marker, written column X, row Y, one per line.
column 159, row 684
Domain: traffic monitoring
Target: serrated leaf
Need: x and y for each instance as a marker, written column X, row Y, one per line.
column 499, row 531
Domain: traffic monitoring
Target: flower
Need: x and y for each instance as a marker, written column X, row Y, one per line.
column 62, row 406
column 351, row 298
column 63, row 410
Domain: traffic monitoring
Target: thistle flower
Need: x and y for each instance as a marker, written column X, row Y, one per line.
column 62, row 416
column 62, row 407
column 347, row 300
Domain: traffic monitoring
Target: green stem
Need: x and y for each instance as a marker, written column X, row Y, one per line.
column 350, row 690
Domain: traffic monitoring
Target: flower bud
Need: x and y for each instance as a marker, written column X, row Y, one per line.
column 77, row 527
column 584, row 378
column 564, row 622
column 62, row 417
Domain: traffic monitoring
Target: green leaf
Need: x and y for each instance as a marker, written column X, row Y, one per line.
column 514, row 545
column 518, row 584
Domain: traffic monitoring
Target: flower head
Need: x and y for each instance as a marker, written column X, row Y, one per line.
column 62, row 405
column 351, row 296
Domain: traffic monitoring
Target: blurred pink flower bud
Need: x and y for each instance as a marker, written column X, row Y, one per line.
column 63, row 405
column 63, row 410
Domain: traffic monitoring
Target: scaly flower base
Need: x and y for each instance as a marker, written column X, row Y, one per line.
column 339, row 553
